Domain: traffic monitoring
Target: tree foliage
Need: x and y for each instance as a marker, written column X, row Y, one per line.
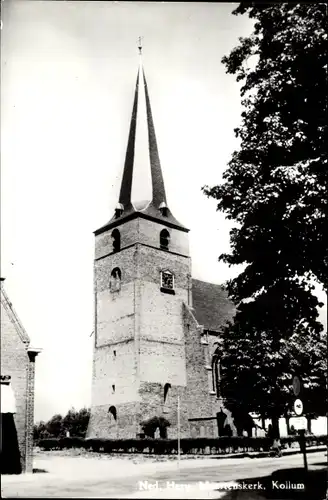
column 75, row 422
column 275, row 191
column 150, row 426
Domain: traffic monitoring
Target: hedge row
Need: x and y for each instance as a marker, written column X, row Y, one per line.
column 206, row 446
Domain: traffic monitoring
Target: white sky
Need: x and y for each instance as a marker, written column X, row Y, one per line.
column 68, row 72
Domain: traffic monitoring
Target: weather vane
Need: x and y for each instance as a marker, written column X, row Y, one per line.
column 140, row 44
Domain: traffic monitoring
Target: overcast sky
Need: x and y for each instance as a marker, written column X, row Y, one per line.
column 68, row 72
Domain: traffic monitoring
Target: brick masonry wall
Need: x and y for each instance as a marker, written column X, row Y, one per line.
column 152, row 405
column 103, row 425
column 162, row 356
column 129, row 232
column 149, row 234
column 114, row 331
column 30, row 412
column 130, row 416
column 162, row 362
column 118, row 370
column 152, row 261
column 15, row 362
column 156, row 338
column 141, row 231
column 201, row 403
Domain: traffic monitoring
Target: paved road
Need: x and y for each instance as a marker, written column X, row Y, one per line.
column 157, row 480
column 252, row 471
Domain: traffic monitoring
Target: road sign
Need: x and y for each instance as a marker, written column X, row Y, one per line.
column 299, row 423
column 298, row 407
column 301, row 433
column 296, row 385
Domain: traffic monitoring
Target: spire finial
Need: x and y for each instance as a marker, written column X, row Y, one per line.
column 140, row 45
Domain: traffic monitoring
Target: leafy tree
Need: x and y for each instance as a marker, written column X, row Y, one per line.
column 83, row 421
column 76, row 422
column 54, row 426
column 151, row 425
column 275, row 191
column 40, row 431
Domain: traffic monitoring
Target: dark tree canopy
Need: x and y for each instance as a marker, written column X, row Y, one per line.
column 76, row 422
column 275, row 191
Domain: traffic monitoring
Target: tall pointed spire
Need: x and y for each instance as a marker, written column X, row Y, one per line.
column 126, row 186
column 155, row 165
column 157, row 182
column 156, row 205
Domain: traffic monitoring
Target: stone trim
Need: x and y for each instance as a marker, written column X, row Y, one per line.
column 134, row 215
column 161, row 341
column 143, row 244
column 29, row 422
column 125, row 341
column 167, row 290
column 14, row 317
column 200, row 419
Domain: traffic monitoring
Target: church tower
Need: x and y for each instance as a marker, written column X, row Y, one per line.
column 142, row 282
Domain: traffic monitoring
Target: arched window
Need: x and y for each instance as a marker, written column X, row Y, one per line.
column 116, row 236
column 112, row 411
column 166, row 390
column 164, row 239
column 216, row 375
column 115, row 279
column 116, row 273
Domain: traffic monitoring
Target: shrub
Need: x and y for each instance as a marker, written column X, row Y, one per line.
column 150, row 426
column 49, row 444
column 221, row 445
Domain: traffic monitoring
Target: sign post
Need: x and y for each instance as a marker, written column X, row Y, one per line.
column 178, row 430
column 303, row 447
column 298, row 409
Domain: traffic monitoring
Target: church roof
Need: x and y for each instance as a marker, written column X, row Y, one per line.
column 212, row 307
column 152, row 208
column 13, row 316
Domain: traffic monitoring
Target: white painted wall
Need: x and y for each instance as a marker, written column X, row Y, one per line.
column 319, row 426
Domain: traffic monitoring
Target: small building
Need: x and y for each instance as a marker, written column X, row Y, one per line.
column 17, row 371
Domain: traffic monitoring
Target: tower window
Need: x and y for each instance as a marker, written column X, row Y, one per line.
column 166, row 390
column 112, row 411
column 205, row 337
column 116, row 236
column 164, row 239
column 167, row 282
column 216, row 374
column 116, row 273
column 113, row 388
column 163, row 209
column 119, row 210
column 114, row 354
column 115, row 279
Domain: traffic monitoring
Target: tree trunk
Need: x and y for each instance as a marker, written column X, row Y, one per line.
column 275, row 426
column 287, row 424
column 263, row 423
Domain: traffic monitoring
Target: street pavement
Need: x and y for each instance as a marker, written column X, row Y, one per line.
column 88, row 477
